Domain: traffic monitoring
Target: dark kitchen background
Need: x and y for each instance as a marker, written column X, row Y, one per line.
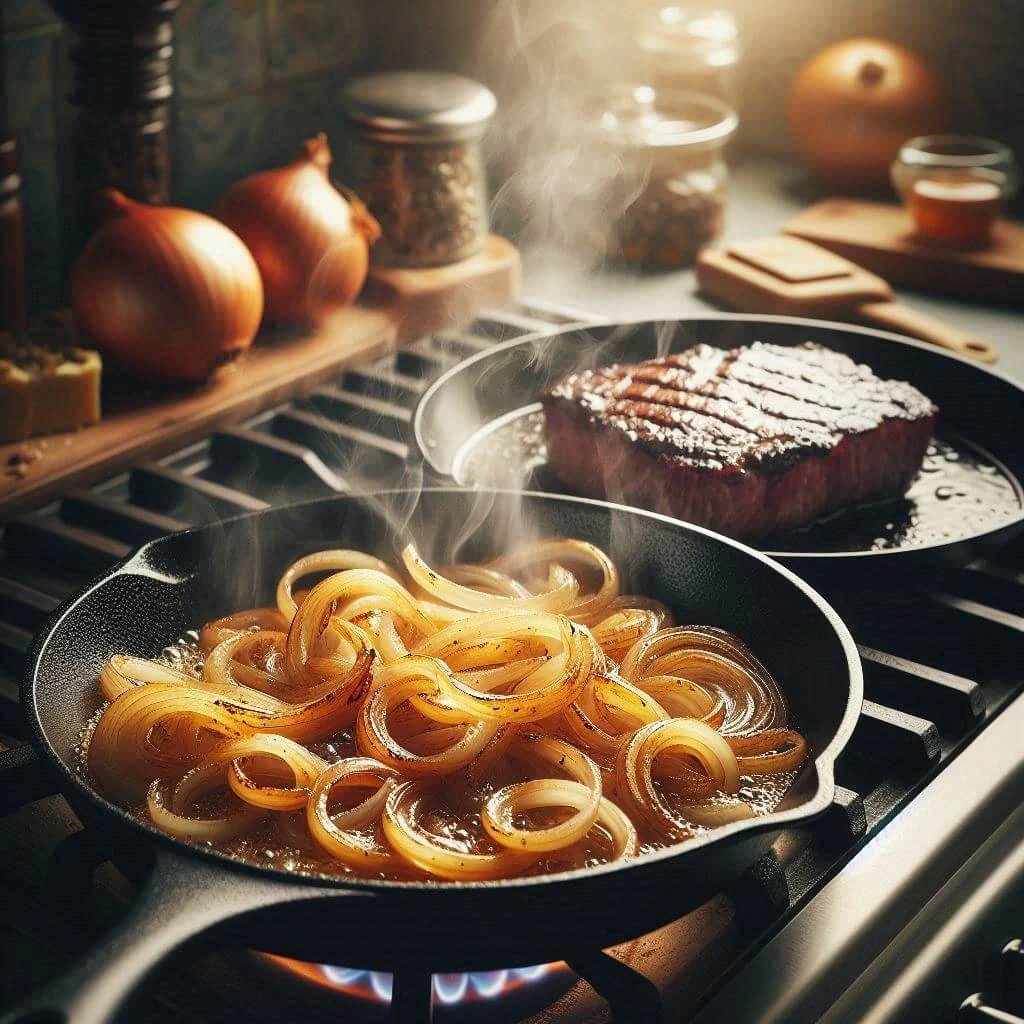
column 255, row 77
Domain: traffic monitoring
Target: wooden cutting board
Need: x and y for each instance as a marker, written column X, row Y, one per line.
column 397, row 306
column 880, row 238
column 792, row 277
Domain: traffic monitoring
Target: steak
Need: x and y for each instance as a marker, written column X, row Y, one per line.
column 747, row 441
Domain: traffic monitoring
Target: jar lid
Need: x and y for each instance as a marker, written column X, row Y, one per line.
column 631, row 117
column 707, row 34
column 418, row 106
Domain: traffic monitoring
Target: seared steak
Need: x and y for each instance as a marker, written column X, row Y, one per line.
column 746, row 441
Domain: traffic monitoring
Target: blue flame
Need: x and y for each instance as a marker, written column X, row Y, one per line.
column 448, row 988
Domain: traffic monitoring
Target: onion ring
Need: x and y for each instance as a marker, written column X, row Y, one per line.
column 336, row 834
column 437, row 855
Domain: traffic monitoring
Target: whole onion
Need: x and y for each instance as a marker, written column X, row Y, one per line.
column 855, row 103
column 167, row 293
column 310, row 242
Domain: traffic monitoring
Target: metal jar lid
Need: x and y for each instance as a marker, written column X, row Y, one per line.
column 418, row 106
column 635, row 117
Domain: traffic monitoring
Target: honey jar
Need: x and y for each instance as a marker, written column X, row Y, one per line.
column 954, row 187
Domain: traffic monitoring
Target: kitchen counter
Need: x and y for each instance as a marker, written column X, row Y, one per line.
column 764, row 195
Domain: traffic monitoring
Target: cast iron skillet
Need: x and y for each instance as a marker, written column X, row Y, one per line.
column 981, row 414
column 183, row 580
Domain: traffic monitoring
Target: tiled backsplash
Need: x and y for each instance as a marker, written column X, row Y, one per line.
column 255, row 77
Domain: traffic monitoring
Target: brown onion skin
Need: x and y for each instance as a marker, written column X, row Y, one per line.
column 312, row 244
column 855, row 103
column 167, row 293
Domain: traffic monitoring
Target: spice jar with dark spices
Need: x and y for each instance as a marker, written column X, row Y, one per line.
column 670, row 147
column 417, row 163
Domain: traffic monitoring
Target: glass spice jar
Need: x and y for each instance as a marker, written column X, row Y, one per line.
column 672, row 159
column 690, row 48
column 417, row 163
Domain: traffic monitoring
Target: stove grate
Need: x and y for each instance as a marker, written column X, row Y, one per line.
column 941, row 658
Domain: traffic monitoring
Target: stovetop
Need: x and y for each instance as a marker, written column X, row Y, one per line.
column 896, row 906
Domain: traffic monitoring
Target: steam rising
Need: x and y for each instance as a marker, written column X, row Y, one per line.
column 553, row 65
column 556, row 65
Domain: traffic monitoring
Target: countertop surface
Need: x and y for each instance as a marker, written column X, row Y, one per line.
column 764, row 194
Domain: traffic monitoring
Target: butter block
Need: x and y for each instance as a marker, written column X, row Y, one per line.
column 45, row 389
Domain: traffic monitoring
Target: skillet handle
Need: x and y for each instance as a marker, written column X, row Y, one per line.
column 181, row 900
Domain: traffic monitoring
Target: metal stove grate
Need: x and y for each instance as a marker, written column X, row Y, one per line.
column 941, row 659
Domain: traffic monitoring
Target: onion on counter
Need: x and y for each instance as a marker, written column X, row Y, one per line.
column 167, row 293
column 311, row 243
column 855, row 103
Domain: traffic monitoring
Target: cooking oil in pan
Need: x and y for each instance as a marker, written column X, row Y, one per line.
column 961, row 490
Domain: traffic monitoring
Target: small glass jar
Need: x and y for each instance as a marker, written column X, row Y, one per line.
column 955, row 186
column 672, row 161
column 691, row 48
column 417, row 164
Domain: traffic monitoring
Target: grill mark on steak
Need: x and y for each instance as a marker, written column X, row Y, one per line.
column 747, row 440
column 760, row 390
column 671, row 407
column 738, row 404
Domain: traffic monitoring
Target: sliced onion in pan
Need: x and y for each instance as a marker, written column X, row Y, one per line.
column 337, row 560
column 337, row 834
column 508, row 803
column 681, row 736
column 561, row 595
column 438, row 855
column 568, row 552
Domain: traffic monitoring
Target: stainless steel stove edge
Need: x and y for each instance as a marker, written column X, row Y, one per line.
column 835, row 961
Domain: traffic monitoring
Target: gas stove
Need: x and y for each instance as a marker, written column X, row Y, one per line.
column 905, row 903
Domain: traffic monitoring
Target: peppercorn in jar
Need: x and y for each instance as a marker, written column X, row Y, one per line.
column 670, row 148
column 417, row 163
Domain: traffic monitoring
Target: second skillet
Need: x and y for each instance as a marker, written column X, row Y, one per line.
column 484, row 415
column 181, row 581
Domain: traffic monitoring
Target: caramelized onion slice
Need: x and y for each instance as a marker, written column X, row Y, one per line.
column 769, row 752
column 539, row 695
column 317, row 611
column 219, row 630
column 124, row 672
column 680, row 735
column 439, row 855
column 168, row 812
column 221, row 670
column 568, row 552
column 562, row 594
column 525, row 796
column 336, row 560
column 507, row 804
column 375, row 739
column 330, row 707
column 298, row 766
column 613, row 707
column 720, row 663
column 155, row 731
column 480, row 577
column 617, row 631
column 336, row 833
column 682, row 698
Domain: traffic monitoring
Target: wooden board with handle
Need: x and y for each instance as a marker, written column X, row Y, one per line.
column 792, row 277
column 880, row 237
column 398, row 306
